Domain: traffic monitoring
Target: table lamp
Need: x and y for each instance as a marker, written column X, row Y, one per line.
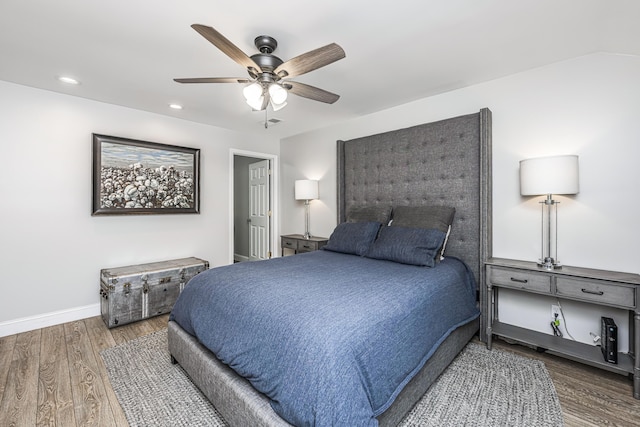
column 549, row 176
column 307, row 190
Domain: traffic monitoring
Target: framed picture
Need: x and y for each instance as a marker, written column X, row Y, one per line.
column 133, row 177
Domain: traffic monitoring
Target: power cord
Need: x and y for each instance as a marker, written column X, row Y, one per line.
column 566, row 328
column 555, row 323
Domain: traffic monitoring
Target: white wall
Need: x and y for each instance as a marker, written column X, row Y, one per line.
column 587, row 106
column 52, row 248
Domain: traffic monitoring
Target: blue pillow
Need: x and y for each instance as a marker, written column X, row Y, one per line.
column 353, row 237
column 381, row 214
column 406, row 245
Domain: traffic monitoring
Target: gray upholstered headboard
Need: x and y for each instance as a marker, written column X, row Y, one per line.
column 444, row 163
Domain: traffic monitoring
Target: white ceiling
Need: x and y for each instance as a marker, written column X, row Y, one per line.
column 126, row 52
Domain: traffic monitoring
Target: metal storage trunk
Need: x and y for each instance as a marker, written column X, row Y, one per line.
column 137, row 292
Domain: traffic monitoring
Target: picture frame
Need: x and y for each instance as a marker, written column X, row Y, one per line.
column 133, row 177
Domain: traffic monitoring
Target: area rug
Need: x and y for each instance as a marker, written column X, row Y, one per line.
column 479, row 388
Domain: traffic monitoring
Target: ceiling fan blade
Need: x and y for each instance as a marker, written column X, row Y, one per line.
column 213, row 80
column 310, row 61
column 228, row 48
column 311, row 92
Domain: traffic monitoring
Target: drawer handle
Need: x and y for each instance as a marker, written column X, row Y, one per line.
column 289, row 244
column 306, row 246
column 513, row 279
column 587, row 291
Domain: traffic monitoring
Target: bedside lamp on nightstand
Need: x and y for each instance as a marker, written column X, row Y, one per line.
column 549, row 175
column 307, row 190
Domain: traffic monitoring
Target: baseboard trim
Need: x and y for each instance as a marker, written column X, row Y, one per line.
column 25, row 324
column 240, row 258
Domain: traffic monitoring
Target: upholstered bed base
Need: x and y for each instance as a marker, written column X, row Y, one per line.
column 241, row 405
column 445, row 163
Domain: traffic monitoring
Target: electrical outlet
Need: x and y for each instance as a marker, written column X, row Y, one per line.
column 555, row 312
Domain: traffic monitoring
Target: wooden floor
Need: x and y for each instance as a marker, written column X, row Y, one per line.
column 55, row 377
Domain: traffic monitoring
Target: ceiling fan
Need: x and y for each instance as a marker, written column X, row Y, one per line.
column 268, row 81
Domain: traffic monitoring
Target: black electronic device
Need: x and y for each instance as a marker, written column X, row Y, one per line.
column 609, row 339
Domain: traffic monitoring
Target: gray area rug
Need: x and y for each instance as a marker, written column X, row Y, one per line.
column 480, row 388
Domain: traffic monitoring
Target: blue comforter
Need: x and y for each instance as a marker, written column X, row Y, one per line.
column 330, row 338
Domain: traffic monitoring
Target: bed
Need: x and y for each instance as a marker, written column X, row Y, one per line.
column 377, row 364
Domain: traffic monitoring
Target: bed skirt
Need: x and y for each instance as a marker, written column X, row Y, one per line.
column 241, row 405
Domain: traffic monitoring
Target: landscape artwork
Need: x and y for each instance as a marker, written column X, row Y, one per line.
column 140, row 177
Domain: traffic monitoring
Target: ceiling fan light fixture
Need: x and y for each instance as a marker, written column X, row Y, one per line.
column 277, row 107
column 256, row 104
column 252, row 93
column 278, row 94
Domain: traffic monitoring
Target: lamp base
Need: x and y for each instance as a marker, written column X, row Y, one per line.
column 549, row 264
column 307, row 234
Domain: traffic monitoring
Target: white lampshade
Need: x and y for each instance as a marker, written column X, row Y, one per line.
column 549, row 175
column 306, row 189
column 278, row 107
column 277, row 93
column 252, row 92
column 256, row 104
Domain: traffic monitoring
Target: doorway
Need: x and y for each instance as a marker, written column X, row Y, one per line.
column 253, row 228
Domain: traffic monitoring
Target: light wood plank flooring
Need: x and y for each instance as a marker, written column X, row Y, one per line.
column 55, row 377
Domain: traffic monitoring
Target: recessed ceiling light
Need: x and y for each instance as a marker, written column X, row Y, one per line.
column 175, row 106
column 68, row 80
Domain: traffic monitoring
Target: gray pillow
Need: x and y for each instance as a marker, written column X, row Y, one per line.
column 438, row 217
column 415, row 246
column 381, row 214
column 353, row 237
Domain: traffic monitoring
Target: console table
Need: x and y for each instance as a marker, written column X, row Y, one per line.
column 600, row 287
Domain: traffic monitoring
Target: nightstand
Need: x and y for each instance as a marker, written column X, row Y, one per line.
column 600, row 287
column 298, row 244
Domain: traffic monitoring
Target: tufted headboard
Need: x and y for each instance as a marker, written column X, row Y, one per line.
column 446, row 163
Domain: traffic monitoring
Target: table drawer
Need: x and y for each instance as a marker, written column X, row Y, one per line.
column 598, row 291
column 517, row 279
column 307, row 246
column 289, row 243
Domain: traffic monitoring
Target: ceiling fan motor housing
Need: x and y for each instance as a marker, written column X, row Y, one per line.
column 265, row 60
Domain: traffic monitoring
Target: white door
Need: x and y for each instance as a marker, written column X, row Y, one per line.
column 259, row 211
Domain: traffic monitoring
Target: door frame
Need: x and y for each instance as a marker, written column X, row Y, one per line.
column 273, row 198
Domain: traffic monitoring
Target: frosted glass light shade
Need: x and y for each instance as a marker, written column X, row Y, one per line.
column 256, row 104
column 277, row 93
column 549, row 175
column 252, row 91
column 278, row 107
column 306, row 189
